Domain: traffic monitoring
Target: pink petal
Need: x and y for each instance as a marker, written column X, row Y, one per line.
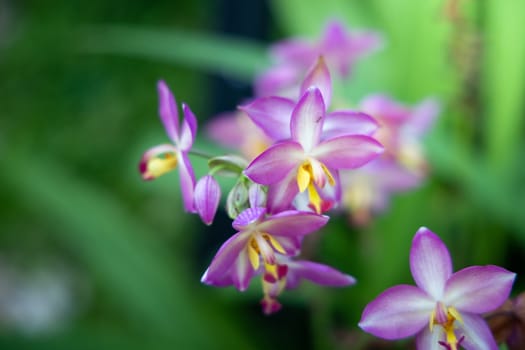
column 430, row 262
column 423, row 116
column 385, row 109
column 319, row 76
column 477, row 334
column 242, row 271
column 225, row 259
column 291, row 50
column 282, row 80
column 430, row 340
column 479, row 289
column 293, row 223
column 347, row 152
column 189, row 128
column 168, row 111
column 398, row 312
column 272, row 115
column 275, row 163
column 291, row 245
column 207, row 197
column 317, row 273
column 248, row 217
column 187, row 181
column 346, row 122
column 307, row 119
column 282, row 193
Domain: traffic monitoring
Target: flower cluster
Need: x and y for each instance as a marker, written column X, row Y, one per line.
column 298, row 157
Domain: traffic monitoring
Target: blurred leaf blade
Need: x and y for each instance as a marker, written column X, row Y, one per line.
column 142, row 278
column 504, row 83
column 241, row 59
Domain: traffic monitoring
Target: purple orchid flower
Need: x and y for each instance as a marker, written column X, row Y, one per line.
column 161, row 159
column 291, row 272
column 367, row 190
column 307, row 162
column 272, row 114
column 445, row 308
column 340, row 47
column 402, row 128
column 259, row 238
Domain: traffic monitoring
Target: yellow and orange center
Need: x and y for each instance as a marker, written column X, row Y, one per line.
column 160, row 165
column 311, row 173
column 264, row 245
column 446, row 317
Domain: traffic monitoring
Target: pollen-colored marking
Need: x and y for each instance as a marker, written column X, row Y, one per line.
column 160, row 165
column 315, row 199
column 304, row 176
column 253, row 254
column 445, row 317
column 275, row 244
column 329, row 175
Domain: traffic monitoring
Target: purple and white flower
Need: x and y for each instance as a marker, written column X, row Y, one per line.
column 444, row 309
column 163, row 158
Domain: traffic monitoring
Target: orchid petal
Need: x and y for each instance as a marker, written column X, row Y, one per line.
column 256, row 196
column 347, row 152
column 423, row 116
column 291, row 50
column 292, row 223
column 319, row 76
column 291, row 245
column 248, row 217
column 307, row 119
column 479, row 289
column 429, row 340
column 281, row 80
column 275, row 163
column 225, row 259
column 189, row 128
column 207, row 197
column 281, row 194
column 317, row 273
column 242, row 271
column 187, row 182
column 168, row 111
column 385, row 109
column 346, row 122
column 272, row 115
column 477, row 334
column 430, row 262
column 398, row 312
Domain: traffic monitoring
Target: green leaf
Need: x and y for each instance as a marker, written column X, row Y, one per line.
column 234, row 57
column 503, row 81
column 142, row 278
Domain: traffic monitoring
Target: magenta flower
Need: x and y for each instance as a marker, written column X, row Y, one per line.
column 161, row 159
column 340, row 47
column 291, row 272
column 307, row 162
column 255, row 245
column 445, row 308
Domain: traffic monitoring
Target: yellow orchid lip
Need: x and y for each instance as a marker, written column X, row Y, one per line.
column 159, row 165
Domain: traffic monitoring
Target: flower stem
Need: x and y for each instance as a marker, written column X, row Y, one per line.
column 201, row 154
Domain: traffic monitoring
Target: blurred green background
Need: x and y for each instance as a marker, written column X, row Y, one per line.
column 91, row 257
